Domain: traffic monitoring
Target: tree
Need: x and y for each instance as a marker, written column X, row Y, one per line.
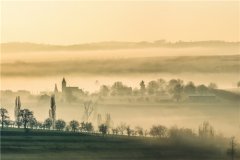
column 26, row 116
column 115, row 131
column 60, row 124
column 158, row 131
column 99, row 119
column 52, row 111
column 8, row 123
column 190, row 88
column 202, row 89
column 212, row 86
column 4, row 116
column 161, row 85
column 18, row 123
column 129, row 131
column 17, row 110
column 74, row 125
column 40, row 125
column 48, row 123
column 142, row 87
column 33, row 123
column 119, row 89
column 122, row 127
column 139, row 130
column 152, row 87
column 232, row 150
column 177, row 92
column 88, row 127
column 175, row 88
column 172, row 83
column 104, row 90
column 206, row 130
column 175, row 132
column 108, row 121
column 103, row 129
column 89, row 107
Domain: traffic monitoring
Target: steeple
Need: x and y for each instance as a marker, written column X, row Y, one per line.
column 64, row 84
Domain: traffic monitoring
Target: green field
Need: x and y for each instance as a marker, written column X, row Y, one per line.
column 52, row 145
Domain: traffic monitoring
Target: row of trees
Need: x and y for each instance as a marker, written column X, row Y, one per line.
column 174, row 87
column 28, row 121
column 104, row 127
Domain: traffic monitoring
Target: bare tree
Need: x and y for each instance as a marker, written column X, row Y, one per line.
column 232, row 150
column 129, row 131
column 89, row 107
column 139, row 130
column 206, row 130
column 99, row 119
column 122, row 127
column 108, row 122
column 158, row 131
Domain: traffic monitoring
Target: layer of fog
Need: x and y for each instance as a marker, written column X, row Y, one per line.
column 114, row 54
column 92, row 83
column 223, row 116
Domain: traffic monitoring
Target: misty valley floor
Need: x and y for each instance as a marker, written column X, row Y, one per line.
column 42, row 145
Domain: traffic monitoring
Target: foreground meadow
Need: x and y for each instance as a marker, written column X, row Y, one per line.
column 52, row 145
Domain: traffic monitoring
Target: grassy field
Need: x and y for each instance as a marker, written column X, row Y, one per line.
column 44, row 145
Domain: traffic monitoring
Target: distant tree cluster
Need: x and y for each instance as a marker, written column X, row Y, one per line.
column 174, row 88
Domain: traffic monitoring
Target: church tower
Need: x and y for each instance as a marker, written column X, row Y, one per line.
column 64, row 84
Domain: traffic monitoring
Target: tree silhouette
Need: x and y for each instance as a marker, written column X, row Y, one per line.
column 33, row 123
column 142, row 88
column 103, row 129
column 60, row 124
column 152, row 87
column 104, row 90
column 190, row 88
column 175, row 88
column 139, row 130
column 158, row 131
column 4, row 116
column 26, row 116
column 89, row 107
column 206, row 130
column 48, row 123
column 74, row 125
column 129, row 131
column 232, row 150
column 122, row 127
column 212, row 85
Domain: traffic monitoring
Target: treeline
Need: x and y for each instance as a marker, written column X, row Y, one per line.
column 16, row 47
column 174, row 88
column 105, row 126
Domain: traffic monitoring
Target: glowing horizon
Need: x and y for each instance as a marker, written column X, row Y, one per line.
column 74, row 22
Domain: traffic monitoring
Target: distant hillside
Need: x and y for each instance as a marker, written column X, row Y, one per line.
column 228, row 95
column 183, row 64
column 27, row 47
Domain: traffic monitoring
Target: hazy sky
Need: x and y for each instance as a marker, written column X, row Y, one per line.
column 62, row 22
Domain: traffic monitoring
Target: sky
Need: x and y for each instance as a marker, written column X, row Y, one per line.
column 72, row 22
